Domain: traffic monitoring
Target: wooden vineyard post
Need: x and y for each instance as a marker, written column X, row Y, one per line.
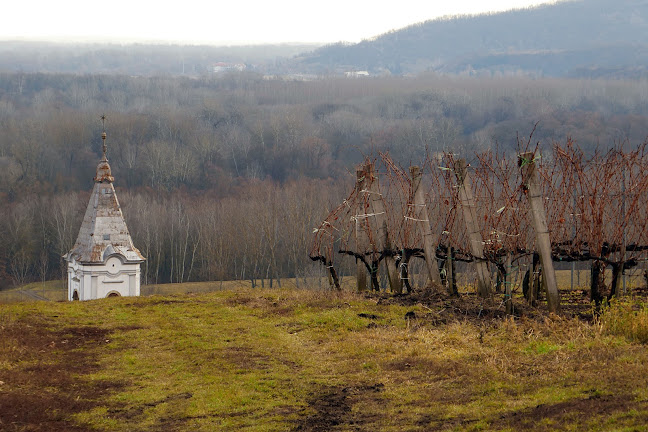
column 360, row 237
column 430, row 241
column 384, row 244
column 624, row 245
column 474, row 236
column 539, row 220
column 451, row 275
column 508, row 285
column 334, row 280
column 531, row 282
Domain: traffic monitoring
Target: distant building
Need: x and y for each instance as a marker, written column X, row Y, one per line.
column 103, row 262
column 222, row 67
column 291, row 77
column 356, row 74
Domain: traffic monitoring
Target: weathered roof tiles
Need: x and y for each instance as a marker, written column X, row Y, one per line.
column 103, row 231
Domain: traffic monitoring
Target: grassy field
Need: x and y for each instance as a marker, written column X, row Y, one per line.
column 309, row 360
column 56, row 290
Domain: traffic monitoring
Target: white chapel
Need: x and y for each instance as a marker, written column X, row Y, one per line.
column 103, row 262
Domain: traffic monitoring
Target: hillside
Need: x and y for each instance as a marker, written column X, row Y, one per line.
column 308, row 360
column 556, row 40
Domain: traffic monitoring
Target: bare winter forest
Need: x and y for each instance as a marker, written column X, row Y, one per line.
column 225, row 177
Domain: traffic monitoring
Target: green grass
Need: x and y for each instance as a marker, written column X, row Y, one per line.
column 264, row 360
column 56, row 290
column 346, row 282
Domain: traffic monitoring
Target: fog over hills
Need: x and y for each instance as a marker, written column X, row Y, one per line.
column 570, row 38
column 575, row 37
column 140, row 59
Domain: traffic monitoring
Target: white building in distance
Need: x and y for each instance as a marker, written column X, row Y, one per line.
column 222, row 67
column 103, row 262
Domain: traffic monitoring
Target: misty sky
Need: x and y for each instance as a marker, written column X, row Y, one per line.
column 226, row 21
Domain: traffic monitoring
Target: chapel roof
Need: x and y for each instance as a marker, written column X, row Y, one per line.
column 103, row 231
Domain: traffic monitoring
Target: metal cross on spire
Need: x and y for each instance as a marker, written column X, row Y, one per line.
column 103, row 135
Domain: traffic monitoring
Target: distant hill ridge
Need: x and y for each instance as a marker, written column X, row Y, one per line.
column 554, row 39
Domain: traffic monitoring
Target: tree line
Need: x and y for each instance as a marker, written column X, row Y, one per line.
column 140, row 59
column 262, row 232
column 193, row 148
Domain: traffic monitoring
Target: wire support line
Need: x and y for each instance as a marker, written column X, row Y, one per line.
column 364, row 216
column 416, row 220
column 370, row 192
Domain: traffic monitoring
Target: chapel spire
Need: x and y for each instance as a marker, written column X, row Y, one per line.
column 104, row 175
column 103, row 136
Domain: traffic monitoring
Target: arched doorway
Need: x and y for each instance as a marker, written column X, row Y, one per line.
column 75, row 295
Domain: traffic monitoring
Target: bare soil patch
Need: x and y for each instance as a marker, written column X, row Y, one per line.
column 333, row 408
column 45, row 383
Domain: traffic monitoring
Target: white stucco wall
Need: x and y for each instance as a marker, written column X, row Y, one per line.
column 99, row 280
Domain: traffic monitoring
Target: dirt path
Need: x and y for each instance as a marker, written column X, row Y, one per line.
column 33, row 295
